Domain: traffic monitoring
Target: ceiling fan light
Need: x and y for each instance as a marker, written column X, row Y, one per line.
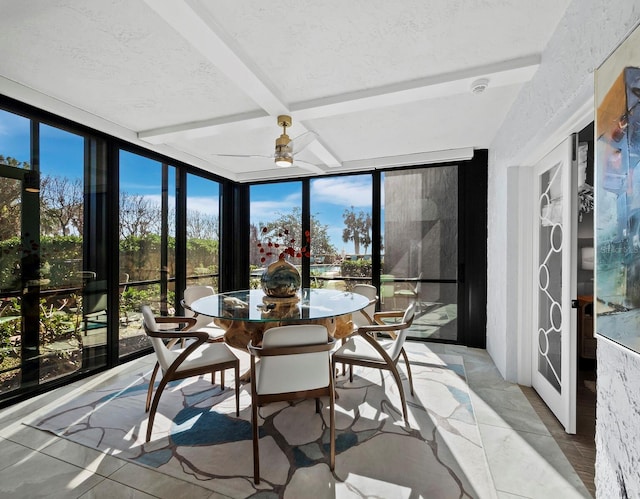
column 284, row 161
column 283, row 153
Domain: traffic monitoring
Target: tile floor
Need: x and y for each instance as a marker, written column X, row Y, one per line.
column 523, row 449
column 580, row 449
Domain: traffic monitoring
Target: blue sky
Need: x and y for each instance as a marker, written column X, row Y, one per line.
column 62, row 154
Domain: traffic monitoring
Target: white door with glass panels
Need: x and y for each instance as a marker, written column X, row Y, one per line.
column 554, row 362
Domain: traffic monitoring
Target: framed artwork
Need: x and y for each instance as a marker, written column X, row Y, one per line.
column 617, row 195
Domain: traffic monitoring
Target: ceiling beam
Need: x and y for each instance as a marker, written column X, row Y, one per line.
column 196, row 25
column 420, row 158
column 514, row 71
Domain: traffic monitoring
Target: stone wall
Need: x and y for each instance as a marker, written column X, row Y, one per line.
column 618, row 422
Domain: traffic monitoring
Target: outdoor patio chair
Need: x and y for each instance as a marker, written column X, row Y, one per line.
column 408, row 294
column 94, row 305
column 197, row 358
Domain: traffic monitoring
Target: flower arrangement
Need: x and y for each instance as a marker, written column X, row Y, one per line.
column 282, row 245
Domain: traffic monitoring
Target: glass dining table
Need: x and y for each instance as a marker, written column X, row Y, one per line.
column 246, row 314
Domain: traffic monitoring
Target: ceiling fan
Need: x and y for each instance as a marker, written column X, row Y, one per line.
column 286, row 148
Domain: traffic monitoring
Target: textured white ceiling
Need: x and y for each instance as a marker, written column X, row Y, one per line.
column 381, row 83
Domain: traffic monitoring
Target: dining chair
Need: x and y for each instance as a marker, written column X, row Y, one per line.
column 203, row 322
column 364, row 317
column 295, row 363
column 362, row 349
column 197, row 358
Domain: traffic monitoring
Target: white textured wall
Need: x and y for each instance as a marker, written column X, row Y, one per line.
column 618, row 422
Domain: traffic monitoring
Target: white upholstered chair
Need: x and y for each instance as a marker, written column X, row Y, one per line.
column 197, row 358
column 362, row 349
column 364, row 317
column 203, row 323
column 295, row 363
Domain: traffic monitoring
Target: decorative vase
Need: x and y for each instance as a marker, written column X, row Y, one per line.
column 280, row 280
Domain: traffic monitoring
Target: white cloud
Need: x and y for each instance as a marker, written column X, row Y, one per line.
column 267, row 210
column 155, row 199
column 203, row 204
column 138, row 189
column 343, row 191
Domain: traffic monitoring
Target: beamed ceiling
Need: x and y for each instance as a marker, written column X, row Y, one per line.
column 381, row 84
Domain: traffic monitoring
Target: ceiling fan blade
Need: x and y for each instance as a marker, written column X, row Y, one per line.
column 302, row 141
column 242, row 156
column 308, row 166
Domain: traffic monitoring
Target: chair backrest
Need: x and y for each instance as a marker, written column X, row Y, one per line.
column 294, row 372
column 370, row 292
column 94, row 297
column 164, row 355
column 418, row 286
column 193, row 293
column 402, row 332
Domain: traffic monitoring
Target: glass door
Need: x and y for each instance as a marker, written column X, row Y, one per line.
column 53, row 294
column 554, row 336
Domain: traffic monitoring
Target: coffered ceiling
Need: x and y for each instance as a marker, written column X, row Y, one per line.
column 380, row 83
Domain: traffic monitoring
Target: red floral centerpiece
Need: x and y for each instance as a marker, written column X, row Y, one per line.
column 283, row 245
column 281, row 279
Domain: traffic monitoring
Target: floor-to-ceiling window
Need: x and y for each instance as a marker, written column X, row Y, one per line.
column 52, row 260
column 341, row 231
column 147, row 214
column 15, row 157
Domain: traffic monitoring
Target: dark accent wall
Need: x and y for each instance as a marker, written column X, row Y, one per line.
column 472, row 275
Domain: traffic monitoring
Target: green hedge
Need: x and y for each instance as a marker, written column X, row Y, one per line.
column 139, row 257
column 356, row 268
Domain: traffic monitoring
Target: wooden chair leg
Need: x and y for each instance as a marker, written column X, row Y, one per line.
column 256, row 451
column 150, row 389
column 237, row 377
column 403, row 400
column 406, row 361
column 350, row 373
column 332, row 425
column 154, row 406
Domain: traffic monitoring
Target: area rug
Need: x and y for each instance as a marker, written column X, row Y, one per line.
column 196, row 436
